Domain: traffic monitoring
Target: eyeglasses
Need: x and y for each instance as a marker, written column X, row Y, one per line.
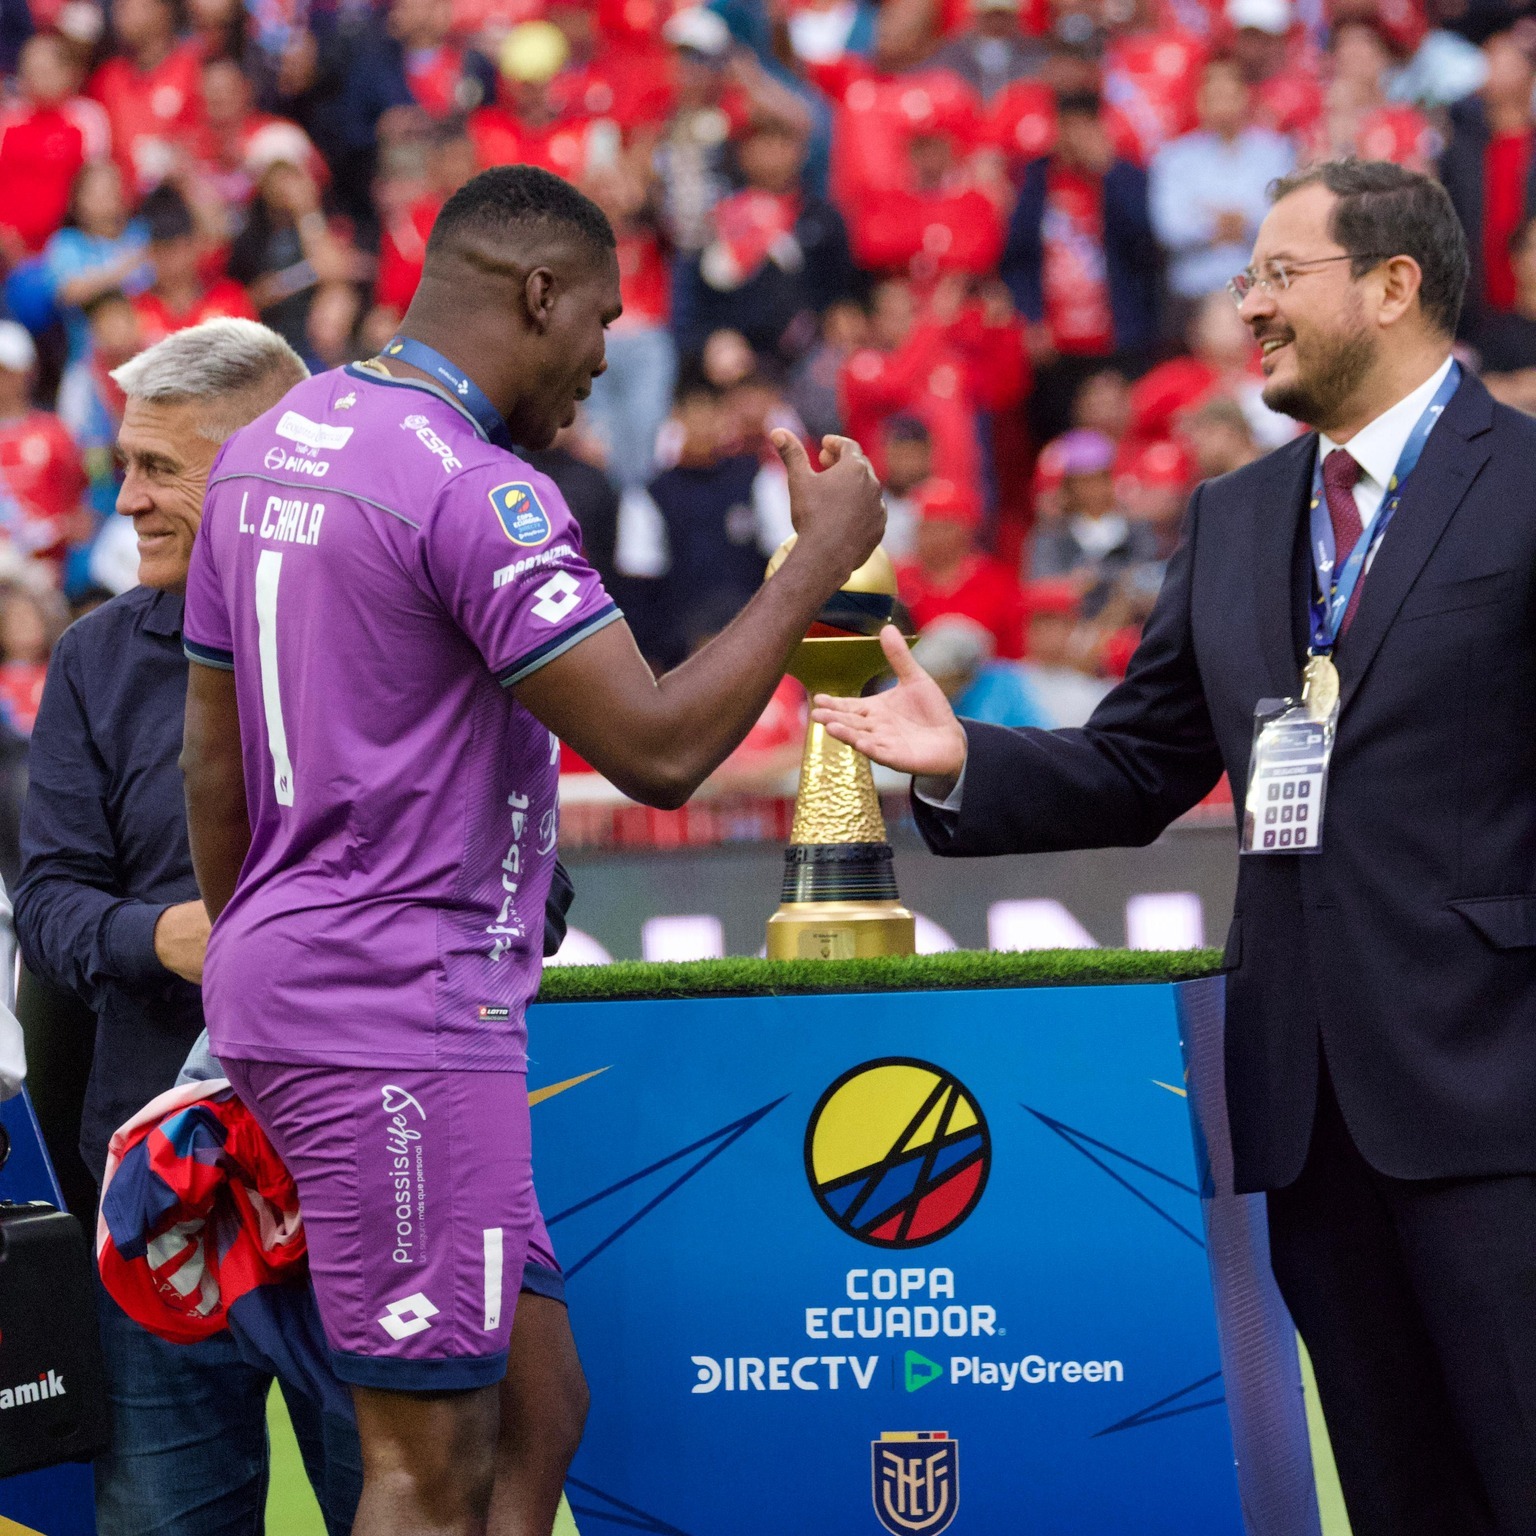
column 1280, row 274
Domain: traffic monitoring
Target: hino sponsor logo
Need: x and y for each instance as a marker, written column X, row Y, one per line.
column 312, row 434
column 422, row 430
column 316, row 469
column 47, row 1385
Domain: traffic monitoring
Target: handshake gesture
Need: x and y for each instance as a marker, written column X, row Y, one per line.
column 910, row 727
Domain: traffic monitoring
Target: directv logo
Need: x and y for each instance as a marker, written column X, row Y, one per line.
column 39, row 1391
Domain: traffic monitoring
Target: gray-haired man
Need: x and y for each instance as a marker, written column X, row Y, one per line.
column 107, row 907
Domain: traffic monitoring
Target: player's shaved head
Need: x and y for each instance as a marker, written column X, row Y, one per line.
column 511, row 217
column 520, row 279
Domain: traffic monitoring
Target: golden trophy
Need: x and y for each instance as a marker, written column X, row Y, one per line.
column 839, row 898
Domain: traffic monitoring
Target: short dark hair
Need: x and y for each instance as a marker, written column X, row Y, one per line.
column 903, row 427
column 1386, row 210
column 502, row 202
column 166, row 213
column 1079, row 104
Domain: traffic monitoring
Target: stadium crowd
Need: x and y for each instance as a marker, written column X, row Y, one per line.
column 990, row 239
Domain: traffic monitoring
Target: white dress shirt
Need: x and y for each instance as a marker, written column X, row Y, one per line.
column 1376, row 448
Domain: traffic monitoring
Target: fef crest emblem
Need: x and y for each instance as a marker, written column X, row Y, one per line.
column 916, row 1481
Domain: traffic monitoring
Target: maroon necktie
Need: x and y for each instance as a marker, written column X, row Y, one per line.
column 1340, row 472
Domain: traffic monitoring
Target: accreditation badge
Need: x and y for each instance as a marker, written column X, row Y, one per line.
column 1288, row 775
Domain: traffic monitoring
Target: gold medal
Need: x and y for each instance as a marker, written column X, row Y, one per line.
column 1320, row 687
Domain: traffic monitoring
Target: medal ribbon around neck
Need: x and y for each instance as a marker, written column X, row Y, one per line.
column 459, row 385
column 1339, row 586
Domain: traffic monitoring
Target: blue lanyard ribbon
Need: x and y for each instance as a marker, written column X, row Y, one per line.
column 463, row 388
column 1339, row 586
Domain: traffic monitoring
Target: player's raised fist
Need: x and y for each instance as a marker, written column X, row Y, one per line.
column 840, row 511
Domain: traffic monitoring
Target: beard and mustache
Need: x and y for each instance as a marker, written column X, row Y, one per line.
column 1329, row 368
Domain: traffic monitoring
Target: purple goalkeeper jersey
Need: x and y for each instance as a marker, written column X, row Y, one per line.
column 378, row 575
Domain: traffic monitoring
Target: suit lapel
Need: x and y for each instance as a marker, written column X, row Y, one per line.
column 1452, row 457
column 1278, row 506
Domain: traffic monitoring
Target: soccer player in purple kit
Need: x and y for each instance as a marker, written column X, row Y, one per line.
column 396, row 610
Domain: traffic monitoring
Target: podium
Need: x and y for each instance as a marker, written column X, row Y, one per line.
column 58, row 1501
column 943, row 1242
column 934, row 1246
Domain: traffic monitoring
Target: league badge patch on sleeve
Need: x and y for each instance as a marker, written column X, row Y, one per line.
column 523, row 518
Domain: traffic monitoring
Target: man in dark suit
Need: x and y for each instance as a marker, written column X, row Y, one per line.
column 1381, row 1028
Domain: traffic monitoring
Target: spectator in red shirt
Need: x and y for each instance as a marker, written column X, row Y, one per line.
column 406, row 222
column 443, row 78
column 234, row 133
column 42, row 480
column 1278, row 61
column 948, row 574
column 1222, row 361
column 777, row 257
column 1151, row 73
column 948, row 217
column 45, row 138
column 151, row 91
column 1490, row 173
column 1082, row 262
column 179, row 296
column 528, row 122
column 1358, row 120
column 31, row 621
column 613, row 72
column 911, row 365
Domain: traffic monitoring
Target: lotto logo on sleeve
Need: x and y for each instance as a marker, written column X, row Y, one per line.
column 523, row 518
column 557, row 597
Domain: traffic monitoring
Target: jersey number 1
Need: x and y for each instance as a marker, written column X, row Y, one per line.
column 268, row 568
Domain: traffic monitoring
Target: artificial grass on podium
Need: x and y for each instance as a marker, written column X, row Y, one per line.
column 632, row 980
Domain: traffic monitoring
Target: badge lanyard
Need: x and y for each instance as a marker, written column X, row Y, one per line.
column 1328, row 613
column 1293, row 743
column 463, row 388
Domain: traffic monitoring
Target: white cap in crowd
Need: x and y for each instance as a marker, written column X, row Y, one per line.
column 699, row 31
column 1272, row 16
column 17, row 353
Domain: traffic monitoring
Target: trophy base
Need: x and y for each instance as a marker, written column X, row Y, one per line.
column 840, row 930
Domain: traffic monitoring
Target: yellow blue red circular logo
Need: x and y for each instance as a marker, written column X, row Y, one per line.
column 897, row 1152
column 522, row 514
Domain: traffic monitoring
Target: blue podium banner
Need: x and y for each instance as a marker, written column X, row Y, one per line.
column 57, row 1501
column 909, row 1262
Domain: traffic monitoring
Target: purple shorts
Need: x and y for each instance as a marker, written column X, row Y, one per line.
column 416, row 1189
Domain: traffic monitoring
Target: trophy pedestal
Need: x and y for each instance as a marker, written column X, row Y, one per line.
column 839, row 899
column 840, row 930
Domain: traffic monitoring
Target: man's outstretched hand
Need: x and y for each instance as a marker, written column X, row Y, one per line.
column 910, row 727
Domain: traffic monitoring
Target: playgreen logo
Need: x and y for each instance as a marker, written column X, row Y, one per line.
column 921, row 1371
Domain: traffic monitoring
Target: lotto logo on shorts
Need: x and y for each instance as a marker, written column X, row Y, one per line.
column 407, row 1317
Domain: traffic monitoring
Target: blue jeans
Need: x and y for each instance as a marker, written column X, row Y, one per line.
column 631, row 400
column 189, row 1450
